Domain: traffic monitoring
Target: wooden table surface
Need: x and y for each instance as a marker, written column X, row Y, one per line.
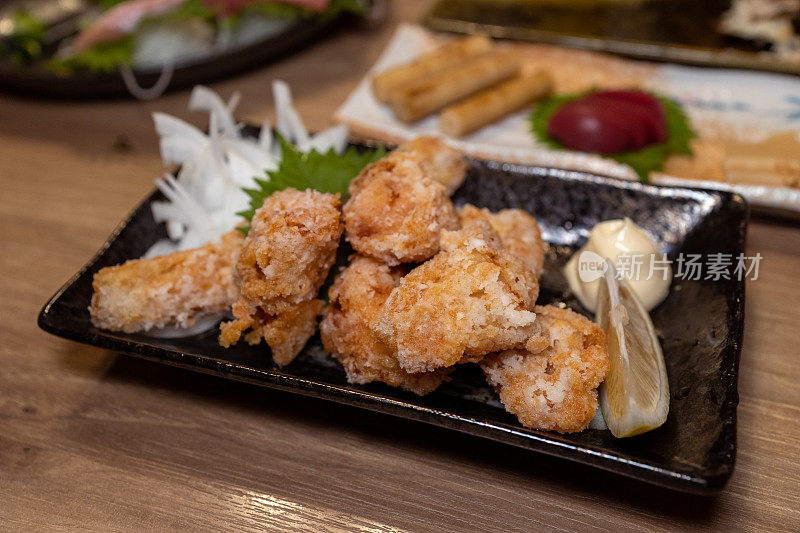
column 90, row 439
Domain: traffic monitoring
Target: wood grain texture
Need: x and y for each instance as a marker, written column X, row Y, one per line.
column 91, row 440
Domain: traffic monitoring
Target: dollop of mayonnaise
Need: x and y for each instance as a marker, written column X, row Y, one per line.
column 634, row 255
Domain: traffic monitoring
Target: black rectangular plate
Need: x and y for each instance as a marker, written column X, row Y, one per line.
column 679, row 31
column 700, row 325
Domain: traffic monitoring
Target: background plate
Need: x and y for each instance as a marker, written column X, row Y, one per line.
column 40, row 82
column 748, row 123
column 679, row 31
column 700, row 325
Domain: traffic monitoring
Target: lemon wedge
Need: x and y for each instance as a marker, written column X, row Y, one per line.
column 635, row 394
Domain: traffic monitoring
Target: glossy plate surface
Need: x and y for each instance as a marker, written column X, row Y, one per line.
column 700, row 325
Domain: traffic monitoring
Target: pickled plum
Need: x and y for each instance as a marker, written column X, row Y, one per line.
column 609, row 122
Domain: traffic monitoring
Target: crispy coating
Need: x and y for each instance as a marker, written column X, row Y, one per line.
column 441, row 162
column 517, row 229
column 291, row 246
column 396, row 213
column 284, row 260
column 552, row 383
column 169, row 290
column 356, row 299
column 285, row 332
column 471, row 299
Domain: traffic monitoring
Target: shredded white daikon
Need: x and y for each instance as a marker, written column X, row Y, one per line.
column 204, row 197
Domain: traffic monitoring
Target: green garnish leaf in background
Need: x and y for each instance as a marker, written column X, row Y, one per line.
column 189, row 10
column 648, row 159
column 323, row 172
column 103, row 57
column 336, row 7
column 24, row 44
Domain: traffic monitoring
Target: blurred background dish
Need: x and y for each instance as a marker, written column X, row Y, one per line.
column 751, row 34
column 108, row 48
column 746, row 124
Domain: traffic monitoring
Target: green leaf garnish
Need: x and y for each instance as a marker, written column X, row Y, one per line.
column 189, row 10
column 24, row 44
column 323, row 172
column 644, row 161
column 276, row 10
column 103, row 57
column 345, row 6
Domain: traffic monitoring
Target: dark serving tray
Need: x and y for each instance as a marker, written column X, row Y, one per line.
column 40, row 82
column 700, row 325
column 679, row 31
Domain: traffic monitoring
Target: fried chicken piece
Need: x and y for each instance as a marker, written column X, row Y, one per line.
column 286, row 332
column 441, row 162
column 518, row 231
column 396, row 213
column 471, row 299
column 551, row 384
column 290, row 248
column 284, row 260
column 169, row 290
column 356, row 299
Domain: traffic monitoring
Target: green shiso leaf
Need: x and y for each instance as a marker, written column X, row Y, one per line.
column 323, row 172
column 345, row 6
column 189, row 10
column 103, row 57
column 644, row 161
column 24, row 44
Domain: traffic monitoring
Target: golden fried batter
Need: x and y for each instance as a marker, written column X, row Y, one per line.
column 518, row 231
column 396, row 213
column 169, row 290
column 356, row 299
column 552, row 383
column 284, row 260
column 285, row 332
column 471, row 299
column 291, row 246
column 441, row 162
